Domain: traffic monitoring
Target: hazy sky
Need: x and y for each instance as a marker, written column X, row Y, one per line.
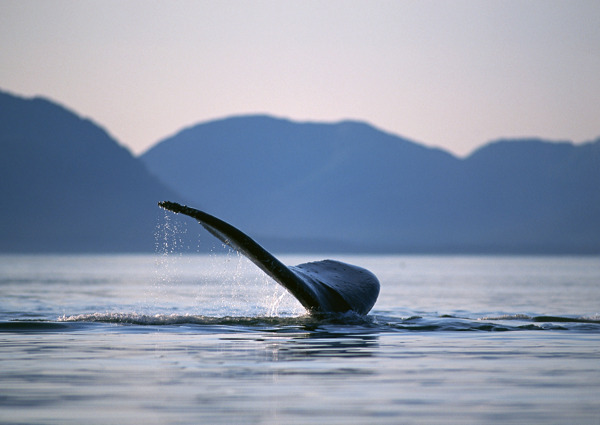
column 453, row 74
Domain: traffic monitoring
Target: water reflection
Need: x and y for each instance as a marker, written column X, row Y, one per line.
column 326, row 345
column 306, row 345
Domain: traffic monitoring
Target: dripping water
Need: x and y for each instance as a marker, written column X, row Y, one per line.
column 210, row 279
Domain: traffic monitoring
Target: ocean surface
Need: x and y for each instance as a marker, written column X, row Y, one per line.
column 170, row 338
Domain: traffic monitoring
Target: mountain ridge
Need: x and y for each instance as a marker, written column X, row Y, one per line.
column 375, row 189
column 68, row 186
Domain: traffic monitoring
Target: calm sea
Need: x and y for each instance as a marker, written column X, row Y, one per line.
column 208, row 339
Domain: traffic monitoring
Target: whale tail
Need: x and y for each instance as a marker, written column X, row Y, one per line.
column 326, row 286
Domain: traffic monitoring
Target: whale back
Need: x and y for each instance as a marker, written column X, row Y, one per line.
column 358, row 288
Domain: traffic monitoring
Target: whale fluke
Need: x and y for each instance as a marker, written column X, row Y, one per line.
column 326, row 286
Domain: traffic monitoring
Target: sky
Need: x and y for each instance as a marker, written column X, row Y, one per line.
column 453, row 74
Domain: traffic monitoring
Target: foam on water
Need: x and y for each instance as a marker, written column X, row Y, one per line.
column 374, row 323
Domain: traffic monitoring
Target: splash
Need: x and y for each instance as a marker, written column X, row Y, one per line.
column 328, row 322
column 219, row 282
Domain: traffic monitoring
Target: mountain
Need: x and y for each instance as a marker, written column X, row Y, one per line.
column 536, row 195
column 348, row 186
column 67, row 186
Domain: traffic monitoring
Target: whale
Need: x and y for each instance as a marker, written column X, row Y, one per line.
column 322, row 287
